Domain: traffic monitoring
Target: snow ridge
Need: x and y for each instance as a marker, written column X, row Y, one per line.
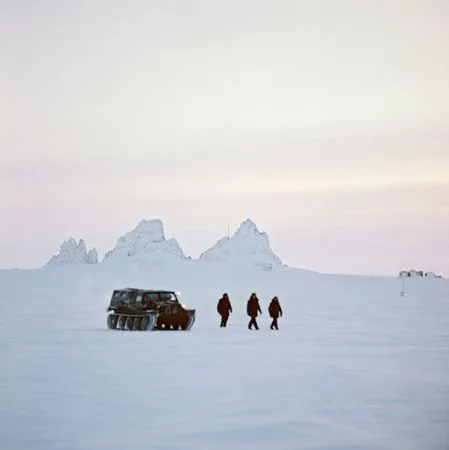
column 72, row 252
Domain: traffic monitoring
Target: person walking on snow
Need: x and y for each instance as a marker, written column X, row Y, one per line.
column 224, row 308
column 274, row 310
column 252, row 309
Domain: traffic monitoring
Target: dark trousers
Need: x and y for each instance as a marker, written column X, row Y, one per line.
column 224, row 320
column 253, row 322
column 274, row 323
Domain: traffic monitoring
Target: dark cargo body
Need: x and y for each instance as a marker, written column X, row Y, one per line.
column 148, row 310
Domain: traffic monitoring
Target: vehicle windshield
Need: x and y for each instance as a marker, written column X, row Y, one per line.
column 122, row 297
column 168, row 296
column 120, row 294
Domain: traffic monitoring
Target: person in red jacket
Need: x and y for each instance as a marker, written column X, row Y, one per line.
column 252, row 309
column 224, row 308
column 274, row 310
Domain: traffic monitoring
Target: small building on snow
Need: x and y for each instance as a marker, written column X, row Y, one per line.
column 417, row 273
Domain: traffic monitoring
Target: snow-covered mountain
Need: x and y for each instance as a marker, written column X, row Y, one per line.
column 247, row 246
column 146, row 243
column 72, row 252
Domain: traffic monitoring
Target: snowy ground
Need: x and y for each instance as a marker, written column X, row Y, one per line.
column 353, row 366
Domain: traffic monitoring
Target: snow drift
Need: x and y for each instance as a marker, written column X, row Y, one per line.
column 355, row 365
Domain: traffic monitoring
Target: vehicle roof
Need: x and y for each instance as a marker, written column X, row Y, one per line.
column 145, row 290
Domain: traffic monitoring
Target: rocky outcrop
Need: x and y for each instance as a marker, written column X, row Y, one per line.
column 247, row 246
column 72, row 252
column 146, row 242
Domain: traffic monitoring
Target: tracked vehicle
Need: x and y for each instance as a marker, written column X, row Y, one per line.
column 148, row 310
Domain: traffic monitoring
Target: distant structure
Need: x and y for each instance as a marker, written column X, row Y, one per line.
column 417, row 273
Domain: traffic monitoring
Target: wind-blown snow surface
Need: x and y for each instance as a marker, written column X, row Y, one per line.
column 353, row 366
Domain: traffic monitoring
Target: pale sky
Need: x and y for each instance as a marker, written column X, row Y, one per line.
column 325, row 122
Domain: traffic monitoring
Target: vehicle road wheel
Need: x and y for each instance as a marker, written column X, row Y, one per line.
column 122, row 322
column 130, row 323
column 144, row 323
column 112, row 321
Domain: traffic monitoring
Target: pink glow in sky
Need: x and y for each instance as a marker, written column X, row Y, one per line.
column 325, row 122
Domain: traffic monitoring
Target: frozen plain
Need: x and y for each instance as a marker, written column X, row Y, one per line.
column 353, row 366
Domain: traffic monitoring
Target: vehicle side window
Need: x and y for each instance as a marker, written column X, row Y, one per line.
column 138, row 299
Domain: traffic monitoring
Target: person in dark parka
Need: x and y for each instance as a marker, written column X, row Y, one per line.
column 252, row 309
column 274, row 310
column 224, row 307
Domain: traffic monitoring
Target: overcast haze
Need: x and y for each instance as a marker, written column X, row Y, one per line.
column 326, row 122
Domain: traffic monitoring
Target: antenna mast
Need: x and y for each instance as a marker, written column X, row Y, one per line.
column 403, row 288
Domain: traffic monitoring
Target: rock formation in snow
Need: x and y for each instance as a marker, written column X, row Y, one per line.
column 147, row 243
column 72, row 252
column 247, row 246
column 92, row 256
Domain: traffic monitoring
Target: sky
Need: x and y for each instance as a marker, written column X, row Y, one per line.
column 326, row 123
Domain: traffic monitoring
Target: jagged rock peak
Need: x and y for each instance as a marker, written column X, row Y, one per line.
column 146, row 242
column 153, row 227
column 92, row 256
column 247, row 245
column 247, row 228
column 72, row 252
